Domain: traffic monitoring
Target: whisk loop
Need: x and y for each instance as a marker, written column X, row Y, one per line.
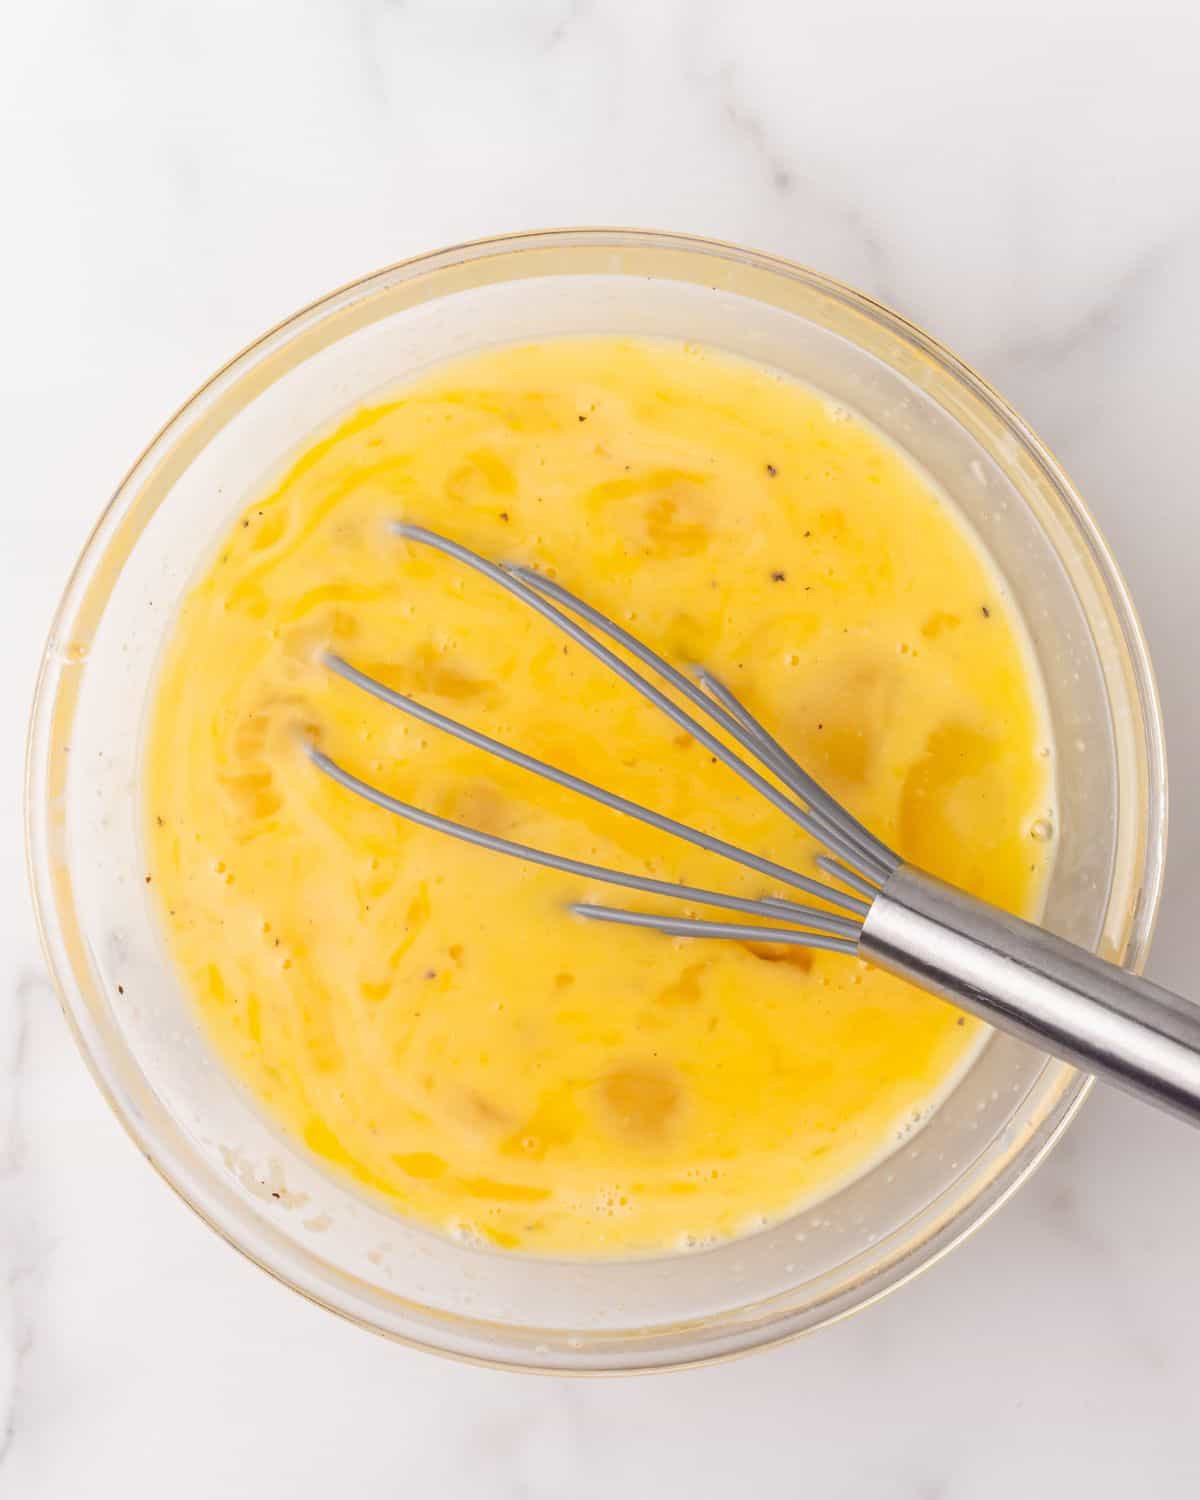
column 863, row 862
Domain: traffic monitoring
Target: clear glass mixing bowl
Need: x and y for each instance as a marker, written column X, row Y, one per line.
column 134, row 1023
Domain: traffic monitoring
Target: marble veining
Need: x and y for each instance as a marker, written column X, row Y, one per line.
column 1019, row 178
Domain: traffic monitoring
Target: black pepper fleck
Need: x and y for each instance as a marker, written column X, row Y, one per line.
column 778, row 576
column 771, row 471
column 504, row 515
column 120, row 989
column 987, row 614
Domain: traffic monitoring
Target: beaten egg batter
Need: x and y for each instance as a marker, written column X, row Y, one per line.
column 427, row 1016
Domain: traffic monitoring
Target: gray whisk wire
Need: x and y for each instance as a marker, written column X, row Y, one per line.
column 830, row 817
column 691, row 927
column 510, row 580
column 871, row 851
column 819, row 921
column 541, row 768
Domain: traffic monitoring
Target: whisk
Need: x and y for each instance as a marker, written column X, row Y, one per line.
column 1010, row 973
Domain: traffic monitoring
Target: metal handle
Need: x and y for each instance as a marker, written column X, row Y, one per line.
column 1039, row 987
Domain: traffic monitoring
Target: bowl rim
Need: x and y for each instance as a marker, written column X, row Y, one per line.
column 1131, row 644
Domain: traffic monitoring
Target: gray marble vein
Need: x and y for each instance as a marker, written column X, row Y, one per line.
column 23, row 1242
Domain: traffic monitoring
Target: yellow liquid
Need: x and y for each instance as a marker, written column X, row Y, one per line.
column 428, row 1016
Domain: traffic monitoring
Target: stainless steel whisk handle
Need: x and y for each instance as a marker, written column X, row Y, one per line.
column 1039, row 987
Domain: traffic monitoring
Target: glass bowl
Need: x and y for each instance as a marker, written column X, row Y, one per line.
column 136, row 1028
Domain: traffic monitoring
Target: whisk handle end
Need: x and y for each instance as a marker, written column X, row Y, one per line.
column 1039, row 987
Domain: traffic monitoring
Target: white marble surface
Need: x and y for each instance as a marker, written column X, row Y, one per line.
column 1021, row 179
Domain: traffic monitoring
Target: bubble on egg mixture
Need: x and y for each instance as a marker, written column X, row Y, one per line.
column 612, row 1202
column 466, row 1233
